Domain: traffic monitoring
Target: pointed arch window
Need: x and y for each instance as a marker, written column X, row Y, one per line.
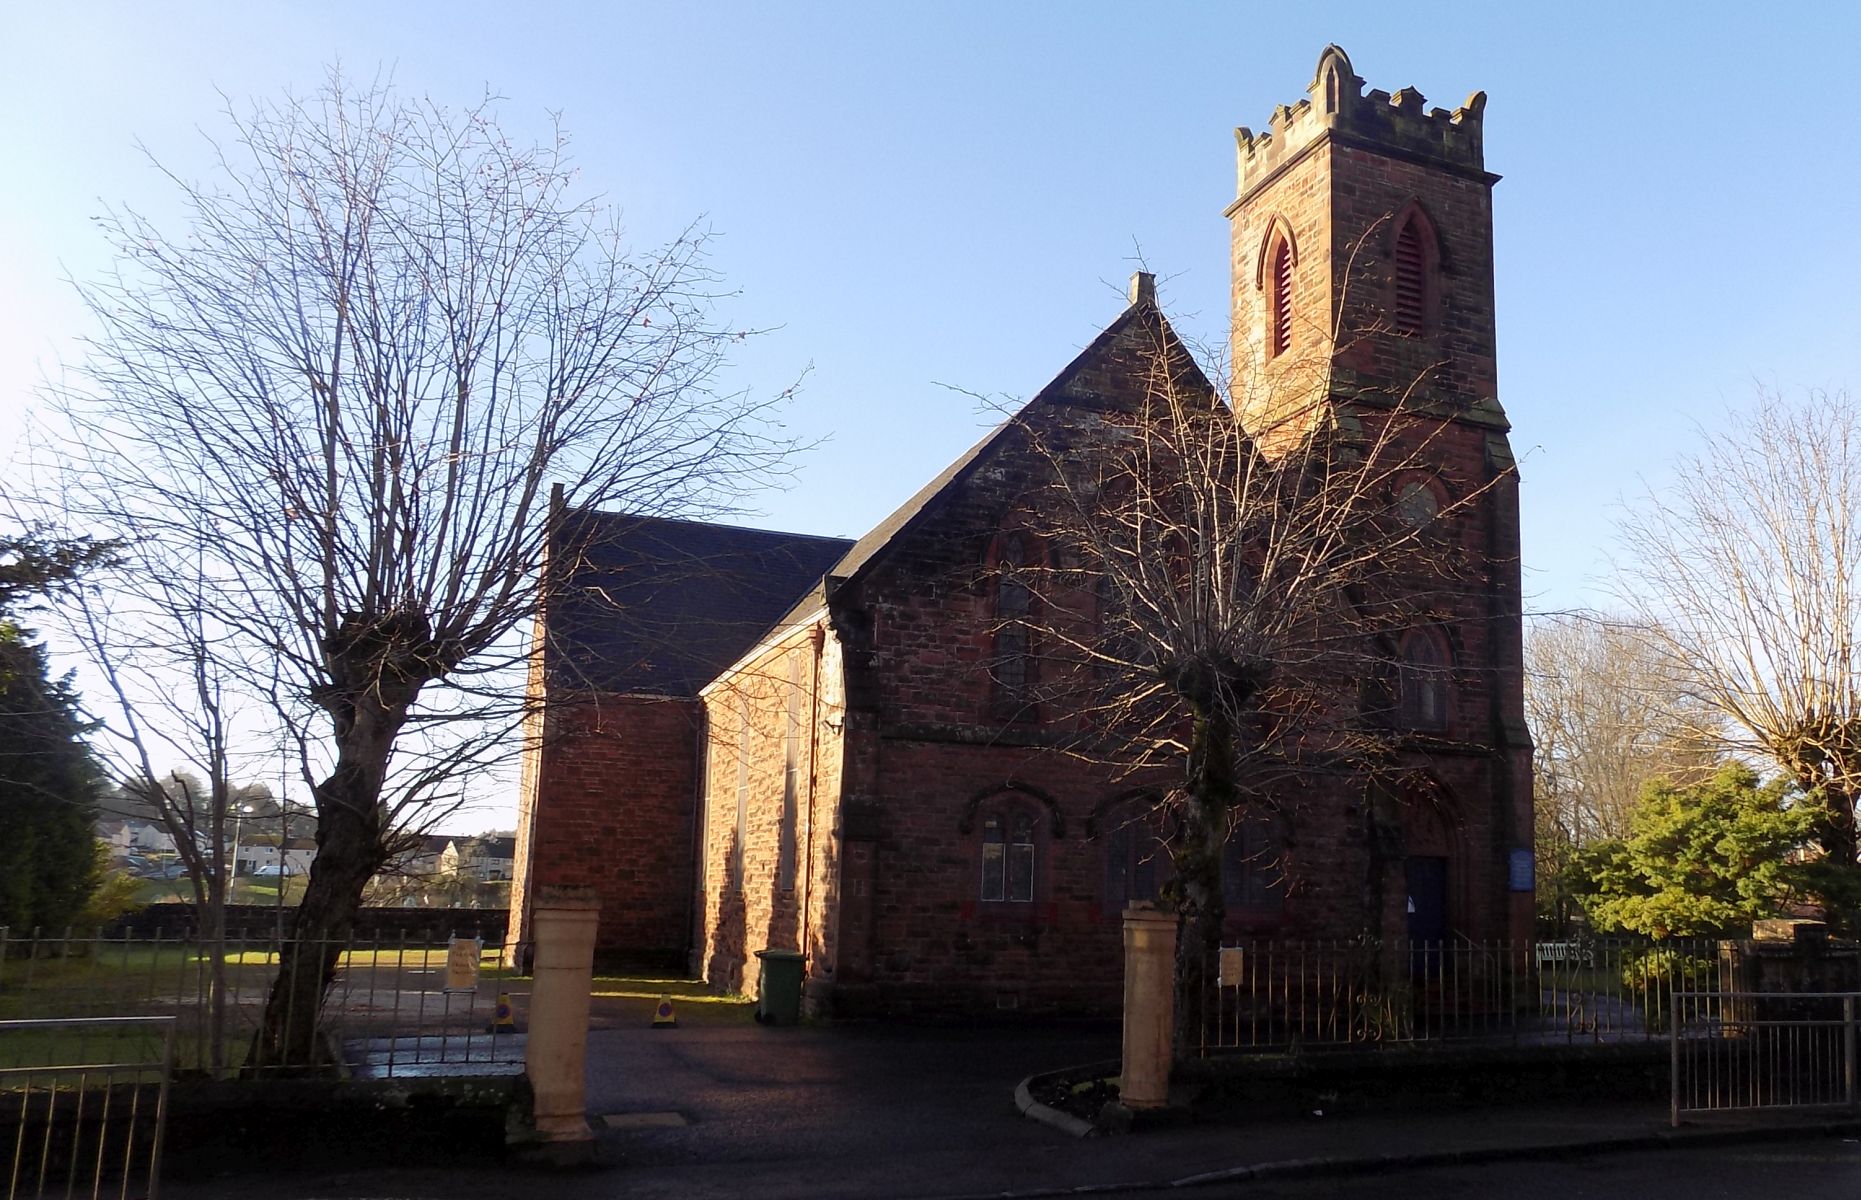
column 1414, row 300
column 1279, row 299
column 1411, row 280
column 1137, row 860
column 1425, row 671
column 1411, row 306
column 1013, row 667
column 1117, row 643
column 1253, row 870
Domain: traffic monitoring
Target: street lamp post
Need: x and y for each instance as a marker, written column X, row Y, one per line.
column 232, row 870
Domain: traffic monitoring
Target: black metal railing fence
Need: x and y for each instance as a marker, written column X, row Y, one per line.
column 1280, row 995
column 406, row 1004
column 83, row 1106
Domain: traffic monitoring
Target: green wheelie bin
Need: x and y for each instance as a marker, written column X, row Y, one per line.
column 778, row 1000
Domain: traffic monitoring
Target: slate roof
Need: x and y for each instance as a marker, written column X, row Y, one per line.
column 657, row 606
column 661, row 607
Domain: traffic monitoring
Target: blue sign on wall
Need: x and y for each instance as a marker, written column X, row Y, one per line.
column 1521, row 875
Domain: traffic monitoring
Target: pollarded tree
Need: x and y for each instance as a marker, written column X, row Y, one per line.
column 1743, row 575
column 340, row 393
column 1232, row 558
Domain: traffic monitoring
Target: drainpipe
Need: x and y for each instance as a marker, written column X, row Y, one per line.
column 817, row 638
column 694, row 932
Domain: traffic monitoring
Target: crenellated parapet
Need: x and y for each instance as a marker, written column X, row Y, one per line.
column 1337, row 104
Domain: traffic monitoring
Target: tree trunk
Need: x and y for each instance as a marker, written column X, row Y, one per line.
column 1837, row 835
column 350, row 834
column 213, row 941
column 1202, row 834
column 1841, row 842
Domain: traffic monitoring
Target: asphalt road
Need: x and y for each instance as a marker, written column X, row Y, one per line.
column 1811, row 1169
column 1806, row 1170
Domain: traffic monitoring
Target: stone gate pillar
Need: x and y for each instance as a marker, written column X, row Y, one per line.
column 1149, row 1006
column 563, row 926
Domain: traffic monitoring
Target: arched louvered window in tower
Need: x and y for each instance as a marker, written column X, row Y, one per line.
column 1279, row 336
column 1411, row 307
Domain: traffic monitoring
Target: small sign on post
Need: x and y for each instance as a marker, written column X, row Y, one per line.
column 462, row 956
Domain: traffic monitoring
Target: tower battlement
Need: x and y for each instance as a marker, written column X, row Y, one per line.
column 1336, row 103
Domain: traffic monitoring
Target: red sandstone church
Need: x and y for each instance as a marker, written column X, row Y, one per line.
column 760, row 739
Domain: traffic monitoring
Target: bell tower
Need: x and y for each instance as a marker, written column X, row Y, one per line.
column 1362, row 253
column 1362, row 258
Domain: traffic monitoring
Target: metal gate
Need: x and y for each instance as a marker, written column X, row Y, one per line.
column 1755, row 1050
column 83, row 1104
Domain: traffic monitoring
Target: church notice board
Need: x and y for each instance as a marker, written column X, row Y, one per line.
column 462, row 964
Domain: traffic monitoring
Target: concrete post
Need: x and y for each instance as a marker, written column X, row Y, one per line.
column 563, row 926
column 1149, row 1006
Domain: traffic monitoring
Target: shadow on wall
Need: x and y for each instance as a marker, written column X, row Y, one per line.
column 821, row 958
column 724, row 971
column 784, row 913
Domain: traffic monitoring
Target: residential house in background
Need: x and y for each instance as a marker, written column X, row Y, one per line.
column 126, row 835
column 267, row 854
column 483, row 859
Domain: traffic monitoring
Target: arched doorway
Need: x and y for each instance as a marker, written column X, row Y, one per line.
column 1431, row 864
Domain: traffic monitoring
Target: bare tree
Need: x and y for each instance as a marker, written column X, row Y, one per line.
column 343, row 391
column 1605, row 719
column 170, row 700
column 1233, row 555
column 1742, row 574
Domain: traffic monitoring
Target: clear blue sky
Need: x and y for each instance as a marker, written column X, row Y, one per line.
column 931, row 194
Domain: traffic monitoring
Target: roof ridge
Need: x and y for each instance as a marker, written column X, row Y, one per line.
column 905, row 515
column 612, row 514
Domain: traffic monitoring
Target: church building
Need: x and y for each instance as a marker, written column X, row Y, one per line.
column 762, row 740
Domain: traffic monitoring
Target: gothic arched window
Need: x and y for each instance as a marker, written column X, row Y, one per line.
column 1253, row 875
column 1411, row 307
column 1425, row 666
column 1279, row 299
column 1414, row 295
column 1137, row 864
column 1013, row 666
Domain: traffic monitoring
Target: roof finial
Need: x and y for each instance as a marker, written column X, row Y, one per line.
column 1143, row 288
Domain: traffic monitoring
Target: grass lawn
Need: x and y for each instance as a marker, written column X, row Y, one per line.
column 246, row 890
column 377, row 992
column 624, row 1001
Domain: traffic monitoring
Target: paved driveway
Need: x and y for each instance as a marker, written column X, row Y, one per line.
column 858, row 1110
